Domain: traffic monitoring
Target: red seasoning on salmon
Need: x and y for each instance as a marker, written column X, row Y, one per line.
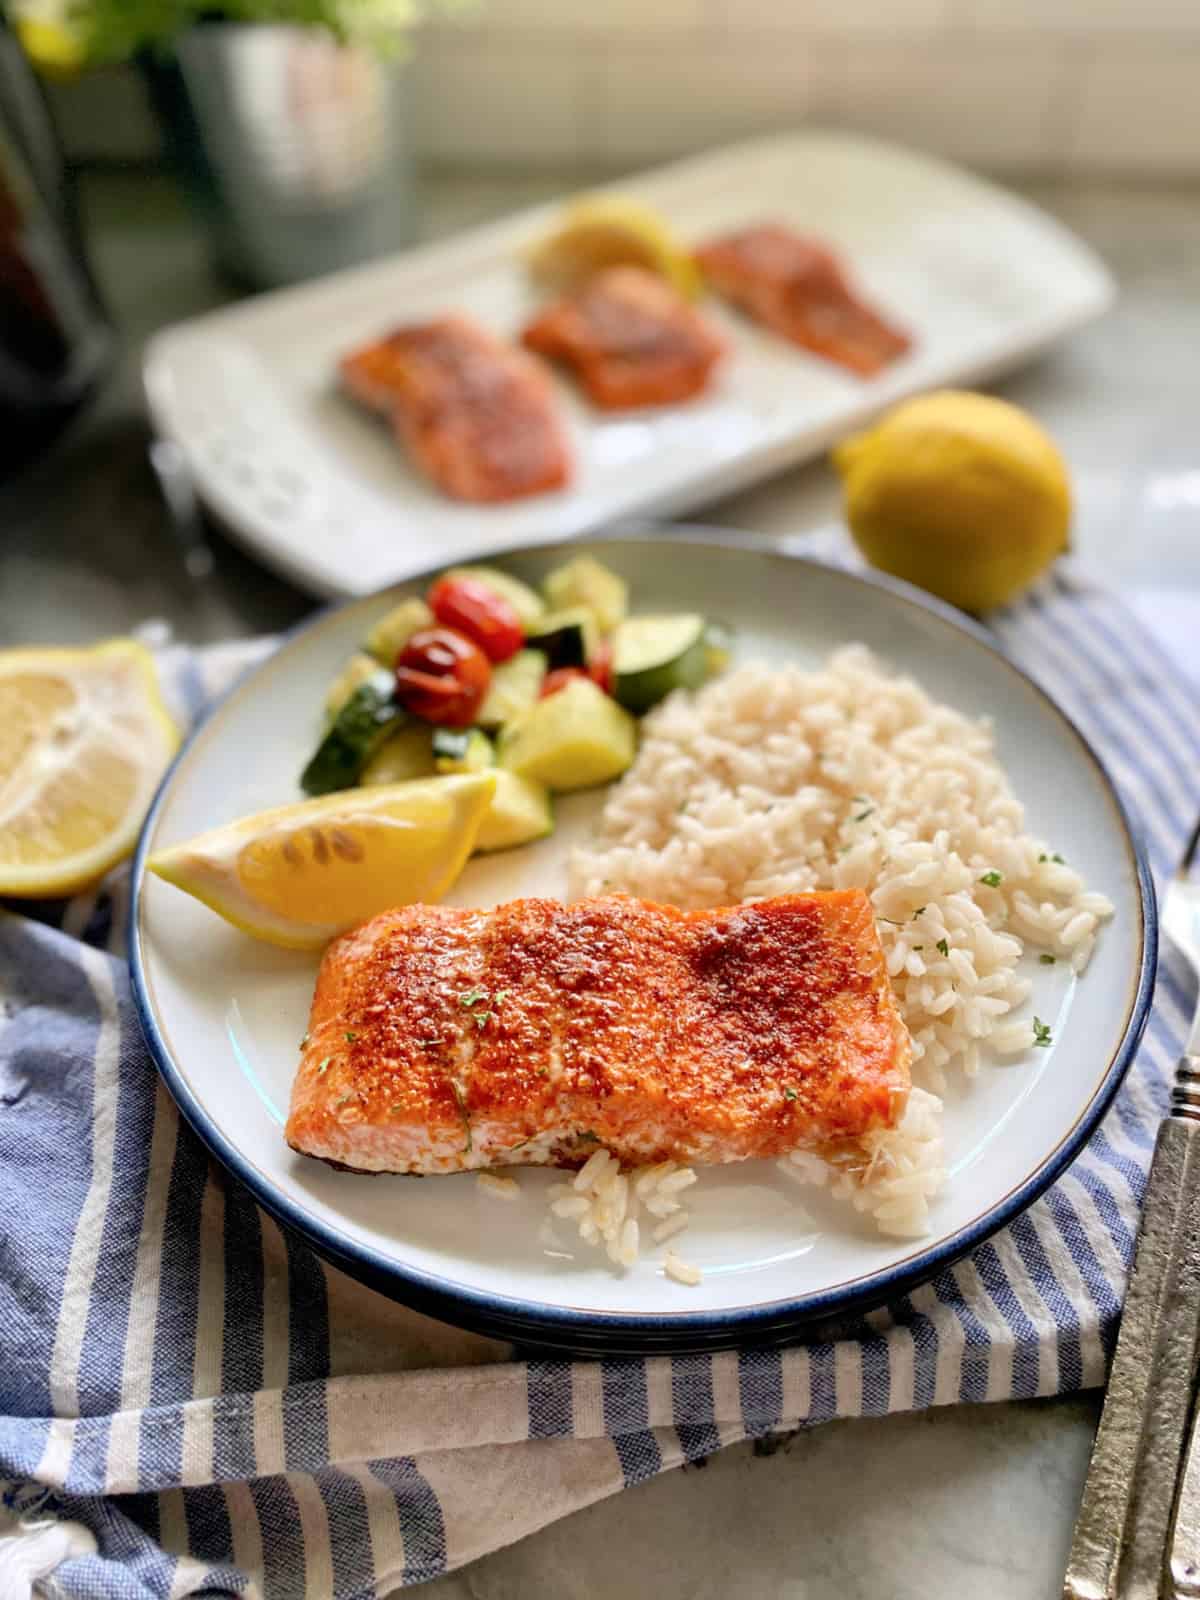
column 477, row 415
column 630, row 339
column 443, row 1039
column 797, row 287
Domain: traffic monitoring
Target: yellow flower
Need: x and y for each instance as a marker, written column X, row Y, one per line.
column 52, row 41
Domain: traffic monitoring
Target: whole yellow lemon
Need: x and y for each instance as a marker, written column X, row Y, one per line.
column 962, row 494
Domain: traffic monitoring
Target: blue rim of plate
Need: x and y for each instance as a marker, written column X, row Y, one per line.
column 568, row 1329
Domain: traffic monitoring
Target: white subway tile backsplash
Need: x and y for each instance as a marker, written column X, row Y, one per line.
column 497, row 100
column 1138, row 112
column 1083, row 18
column 655, row 103
column 990, row 107
column 883, row 18
column 1109, row 86
column 589, row 15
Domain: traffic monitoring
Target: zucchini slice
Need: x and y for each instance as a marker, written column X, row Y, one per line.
column 519, row 813
column 526, row 602
column 515, row 686
column 357, row 670
column 462, row 750
column 576, row 739
column 654, row 655
column 405, row 754
column 359, row 728
column 567, row 638
column 396, row 627
column 585, row 582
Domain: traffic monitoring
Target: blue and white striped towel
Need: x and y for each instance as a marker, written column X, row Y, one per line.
column 193, row 1402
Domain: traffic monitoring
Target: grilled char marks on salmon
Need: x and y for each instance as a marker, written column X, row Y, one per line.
column 630, row 338
column 476, row 413
column 798, row 288
column 443, row 1039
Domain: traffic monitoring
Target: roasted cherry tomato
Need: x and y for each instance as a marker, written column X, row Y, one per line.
column 442, row 676
column 480, row 613
column 559, row 679
column 600, row 667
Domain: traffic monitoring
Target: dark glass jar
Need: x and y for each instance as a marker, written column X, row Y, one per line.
column 55, row 339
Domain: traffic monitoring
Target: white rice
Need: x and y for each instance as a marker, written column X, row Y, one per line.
column 500, row 1188
column 606, row 1204
column 776, row 781
column 681, row 1271
column 892, row 1174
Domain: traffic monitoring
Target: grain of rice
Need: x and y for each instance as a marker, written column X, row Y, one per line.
column 668, row 1229
column 499, row 1188
column 604, row 1202
column 674, row 1181
column 1012, row 1037
column 627, row 1245
column 681, row 1271
column 593, row 1169
column 1077, row 929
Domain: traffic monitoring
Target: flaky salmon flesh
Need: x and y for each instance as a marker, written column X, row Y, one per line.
column 630, row 338
column 443, row 1039
column 477, row 415
column 797, row 287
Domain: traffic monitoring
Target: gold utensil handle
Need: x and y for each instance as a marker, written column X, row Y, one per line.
column 1119, row 1547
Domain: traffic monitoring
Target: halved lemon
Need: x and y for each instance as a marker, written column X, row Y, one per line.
column 299, row 874
column 601, row 231
column 84, row 739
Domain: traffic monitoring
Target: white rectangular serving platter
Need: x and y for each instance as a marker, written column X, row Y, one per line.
column 321, row 493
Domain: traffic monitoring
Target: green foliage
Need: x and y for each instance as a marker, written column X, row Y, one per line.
column 115, row 30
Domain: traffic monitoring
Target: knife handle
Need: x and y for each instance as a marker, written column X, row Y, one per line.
column 1183, row 1565
column 1124, row 1519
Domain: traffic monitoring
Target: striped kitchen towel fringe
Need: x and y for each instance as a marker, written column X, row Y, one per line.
column 193, row 1402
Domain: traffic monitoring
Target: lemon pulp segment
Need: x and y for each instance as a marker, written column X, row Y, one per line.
column 84, row 739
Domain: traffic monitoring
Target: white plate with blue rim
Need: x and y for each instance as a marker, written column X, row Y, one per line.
column 224, row 1014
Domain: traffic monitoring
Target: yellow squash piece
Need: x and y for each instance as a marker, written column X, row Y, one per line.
column 574, row 739
column 299, row 874
column 601, row 231
column 84, row 739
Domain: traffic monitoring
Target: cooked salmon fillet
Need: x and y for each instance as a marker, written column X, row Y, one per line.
column 798, row 287
column 477, row 415
column 442, row 1039
column 630, row 338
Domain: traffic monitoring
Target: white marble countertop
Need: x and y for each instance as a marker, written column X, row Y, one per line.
column 969, row 1501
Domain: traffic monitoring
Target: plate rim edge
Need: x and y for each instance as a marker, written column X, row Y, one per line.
column 509, row 1316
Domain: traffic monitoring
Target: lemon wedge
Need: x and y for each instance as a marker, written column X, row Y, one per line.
column 299, row 874
column 84, row 740
column 601, row 231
